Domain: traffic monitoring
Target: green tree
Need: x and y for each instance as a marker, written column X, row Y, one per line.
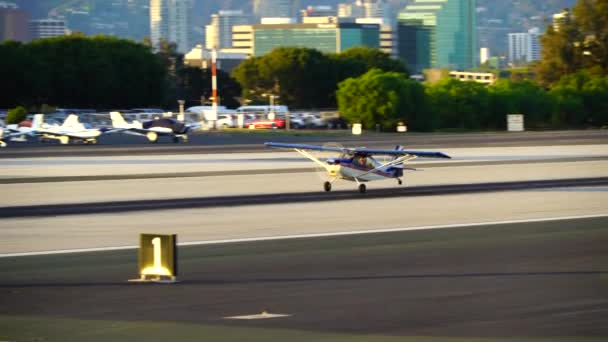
column 580, row 100
column 591, row 17
column 358, row 60
column 384, row 98
column 306, row 78
column 16, row 115
column 297, row 75
column 579, row 42
column 519, row 97
column 459, row 105
column 75, row 71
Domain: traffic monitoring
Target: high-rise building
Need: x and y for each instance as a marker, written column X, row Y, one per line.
column 367, row 9
column 438, row 34
column 318, row 11
column 484, row 55
column 170, row 20
column 374, row 8
column 257, row 40
column 218, row 34
column 13, row 23
column 388, row 35
column 46, row 28
column 274, row 9
column 524, row 47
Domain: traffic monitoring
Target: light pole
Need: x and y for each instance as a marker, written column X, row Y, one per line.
column 180, row 116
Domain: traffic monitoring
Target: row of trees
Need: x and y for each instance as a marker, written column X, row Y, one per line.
column 307, row 78
column 79, row 72
column 387, row 98
column 103, row 73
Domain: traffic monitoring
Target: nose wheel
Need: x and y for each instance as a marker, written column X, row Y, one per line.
column 399, row 181
column 362, row 188
column 327, row 186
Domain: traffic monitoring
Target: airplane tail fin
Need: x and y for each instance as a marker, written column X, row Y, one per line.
column 71, row 121
column 118, row 121
column 37, row 121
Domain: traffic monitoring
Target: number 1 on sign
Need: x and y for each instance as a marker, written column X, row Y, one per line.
column 156, row 244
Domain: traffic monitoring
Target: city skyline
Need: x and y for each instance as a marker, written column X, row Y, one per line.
column 195, row 33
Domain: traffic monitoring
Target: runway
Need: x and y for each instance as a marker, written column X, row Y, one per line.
column 532, row 278
column 511, row 281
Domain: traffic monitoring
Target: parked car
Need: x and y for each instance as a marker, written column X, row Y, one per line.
column 267, row 123
column 296, row 121
column 226, row 121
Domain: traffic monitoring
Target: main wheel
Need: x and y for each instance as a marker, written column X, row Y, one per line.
column 327, row 186
column 64, row 140
column 399, row 181
column 152, row 136
column 362, row 188
column 175, row 140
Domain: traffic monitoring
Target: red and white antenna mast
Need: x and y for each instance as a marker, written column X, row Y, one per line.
column 214, row 80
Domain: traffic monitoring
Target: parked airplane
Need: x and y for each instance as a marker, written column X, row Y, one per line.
column 152, row 129
column 358, row 164
column 71, row 129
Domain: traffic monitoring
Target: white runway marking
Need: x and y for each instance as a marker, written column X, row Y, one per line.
column 263, row 315
column 313, row 235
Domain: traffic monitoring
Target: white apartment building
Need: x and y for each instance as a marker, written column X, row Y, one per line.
column 218, row 34
column 170, row 20
column 46, row 28
column 274, row 9
column 524, row 47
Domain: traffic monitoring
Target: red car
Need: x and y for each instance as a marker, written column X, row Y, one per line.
column 267, row 123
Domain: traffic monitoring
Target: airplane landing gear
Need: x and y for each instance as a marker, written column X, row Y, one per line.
column 327, row 186
column 399, row 181
column 152, row 136
column 64, row 140
column 175, row 140
column 362, row 188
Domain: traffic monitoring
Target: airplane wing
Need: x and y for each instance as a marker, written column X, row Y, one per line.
column 139, row 131
column 367, row 151
column 308, row 147
column 424, row 154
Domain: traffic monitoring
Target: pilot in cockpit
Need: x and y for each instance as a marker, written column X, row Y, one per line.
column 361, row 160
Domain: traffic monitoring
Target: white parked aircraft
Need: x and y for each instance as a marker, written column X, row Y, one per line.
column 358, row 164
column 152, row 129
column 71, row 129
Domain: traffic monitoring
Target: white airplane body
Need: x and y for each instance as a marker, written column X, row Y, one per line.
column 71, row 129
column 358, row 164
column 151, row 129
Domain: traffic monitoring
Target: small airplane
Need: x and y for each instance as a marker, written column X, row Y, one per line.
column 358, row 164
column 152, row 129
column 71, row 129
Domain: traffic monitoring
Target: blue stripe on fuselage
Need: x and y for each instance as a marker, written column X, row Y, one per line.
column 349, row 163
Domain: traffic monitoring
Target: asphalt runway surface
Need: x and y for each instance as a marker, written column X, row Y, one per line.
column 244, row 141
column 528, row 278
column 543, row 279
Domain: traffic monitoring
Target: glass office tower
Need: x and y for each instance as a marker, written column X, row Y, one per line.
column 438, row 34
column 328, row 38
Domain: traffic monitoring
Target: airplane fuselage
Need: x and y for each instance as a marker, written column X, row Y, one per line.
column 348, row 169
